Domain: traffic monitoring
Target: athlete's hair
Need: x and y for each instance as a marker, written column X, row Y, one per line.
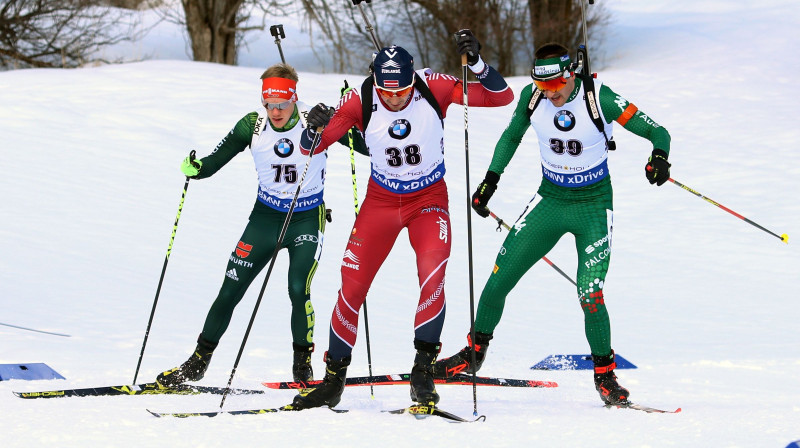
column 550, row 50
column 280, row 70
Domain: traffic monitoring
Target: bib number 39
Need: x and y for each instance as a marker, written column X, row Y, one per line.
column 572, row 147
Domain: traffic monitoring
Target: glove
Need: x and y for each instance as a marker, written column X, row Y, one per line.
column 468, row 44
column 657, row 168
column 484, row 193
column 319, row 116
column 190, row 167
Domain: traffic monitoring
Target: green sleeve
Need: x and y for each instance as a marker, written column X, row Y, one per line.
column 640, row 124
column 512, row 136
column 235, row 142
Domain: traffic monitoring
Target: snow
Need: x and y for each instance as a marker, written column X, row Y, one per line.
column 701, row 301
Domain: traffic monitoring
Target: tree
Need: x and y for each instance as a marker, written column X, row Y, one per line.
column 60, row 33
column 560, row 21
column 216, row 28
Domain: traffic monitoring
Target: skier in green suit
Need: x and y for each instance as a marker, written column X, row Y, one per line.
column 575, row 196
column 273, row 134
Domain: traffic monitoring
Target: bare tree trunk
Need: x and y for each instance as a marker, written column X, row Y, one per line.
column 211, row 25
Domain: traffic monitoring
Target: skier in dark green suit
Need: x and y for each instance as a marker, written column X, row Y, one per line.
column 575, row 196
column 273, row 135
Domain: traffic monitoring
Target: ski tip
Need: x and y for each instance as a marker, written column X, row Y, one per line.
column 785, row 238
column 677, row 410
column 155, row 414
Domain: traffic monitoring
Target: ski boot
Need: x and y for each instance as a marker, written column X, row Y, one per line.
column 329, row 393
column 193, row 369
column 301, row 367
column 423, row 390
column 460, row 362
column 605, row 381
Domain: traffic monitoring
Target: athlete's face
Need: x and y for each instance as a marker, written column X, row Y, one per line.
column 560, row 96
column 395, row 100
column 277, row 116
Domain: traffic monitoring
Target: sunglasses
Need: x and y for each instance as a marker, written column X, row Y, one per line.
column 279, row 106
column 553, row 85
column 389, row 93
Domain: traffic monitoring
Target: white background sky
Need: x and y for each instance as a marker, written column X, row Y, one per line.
column 701, row 301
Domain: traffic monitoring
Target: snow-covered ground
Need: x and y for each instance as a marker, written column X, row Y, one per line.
column 700, row 300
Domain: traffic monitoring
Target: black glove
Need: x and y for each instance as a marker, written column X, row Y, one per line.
column 319, row 116
column 468, row 44
column 657, row 168
column 484, row 193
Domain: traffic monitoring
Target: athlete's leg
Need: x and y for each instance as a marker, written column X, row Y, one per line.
column 533, row 235
column 430, row 233
column 245, row 262
column 304, row 242
column 592, row 232
column 373, row 235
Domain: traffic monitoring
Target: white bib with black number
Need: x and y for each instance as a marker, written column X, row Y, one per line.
column 280, row 164
column 573, row 152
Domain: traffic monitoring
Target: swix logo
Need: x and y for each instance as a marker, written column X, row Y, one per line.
column 442, row 229
column 349, row 255
column 232, row 275
column 243, row 249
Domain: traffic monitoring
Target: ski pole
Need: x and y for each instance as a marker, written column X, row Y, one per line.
column 465, row 94
column 278, row 34
column 355, row 194
column 351, row 144
column 35, row 330
column 502, row 223
column 369, row 28
column 281, row 236
column 783, row 237
column 163, row 271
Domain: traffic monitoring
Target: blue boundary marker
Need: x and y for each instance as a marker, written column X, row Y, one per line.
column 30, row 371
column 577, row 362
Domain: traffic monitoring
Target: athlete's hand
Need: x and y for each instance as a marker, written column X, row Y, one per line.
column 190, row 167
column 657, row 168
column 484, row 192
column 468, row 44
column 319, row 116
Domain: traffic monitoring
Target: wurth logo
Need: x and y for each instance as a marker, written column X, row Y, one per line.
column 243, row 249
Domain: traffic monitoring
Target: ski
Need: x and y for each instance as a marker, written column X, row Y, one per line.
column 422, row 411
column 639, row 407
column 286, row 408
column 138, row 389
column 403, row 378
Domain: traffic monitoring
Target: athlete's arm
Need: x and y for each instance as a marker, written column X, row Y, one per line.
column 237, row 140
column 616, row 108
column 491, row 91
column 348, row 114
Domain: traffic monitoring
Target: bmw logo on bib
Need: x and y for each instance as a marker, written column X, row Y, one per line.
column 284, row 148
column 564, row 120
column 400, row 129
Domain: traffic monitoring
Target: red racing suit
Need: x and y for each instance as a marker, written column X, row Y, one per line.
column 406, row 190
